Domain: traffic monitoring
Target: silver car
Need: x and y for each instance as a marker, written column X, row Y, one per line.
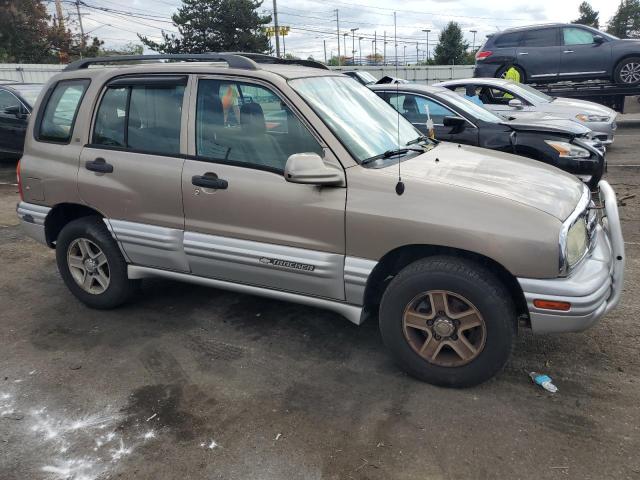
column 514, row 99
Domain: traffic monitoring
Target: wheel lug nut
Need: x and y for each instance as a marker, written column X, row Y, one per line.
column 454, row 337
column 437, row 337
column 429, row 322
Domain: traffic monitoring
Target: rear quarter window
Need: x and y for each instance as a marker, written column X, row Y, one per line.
column 58, row 117
column 508, row 40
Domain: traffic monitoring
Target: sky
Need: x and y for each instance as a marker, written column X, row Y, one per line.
column 313, row 22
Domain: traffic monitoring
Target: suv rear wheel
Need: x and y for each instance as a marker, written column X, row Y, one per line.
column 627, row 72
column 448, row 321
column 92, row 265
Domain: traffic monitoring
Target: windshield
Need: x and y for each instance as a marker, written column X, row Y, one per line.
column 469, row 107
column 530, row 94
column 365, row 124
column 28, row 92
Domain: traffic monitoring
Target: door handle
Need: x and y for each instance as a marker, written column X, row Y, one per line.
column 568, row 51
column 99, row 165
column 523, row 53
column 209, row 180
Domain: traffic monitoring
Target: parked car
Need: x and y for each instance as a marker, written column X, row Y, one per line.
column 145, row 179
column 549, row 53
column 559, row 142
column 516, row 100
column 16, row 102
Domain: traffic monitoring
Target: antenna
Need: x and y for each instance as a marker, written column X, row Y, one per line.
column 399, row 185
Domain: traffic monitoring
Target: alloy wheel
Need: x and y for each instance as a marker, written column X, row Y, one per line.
column 630, row 72
column 444, row 328
column 89, row 266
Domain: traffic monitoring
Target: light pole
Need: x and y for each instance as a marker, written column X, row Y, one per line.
column 404, row 55
column 427, row 31
column 473, row 45
column 373, row 49
column 360, row 49
column 353, row 45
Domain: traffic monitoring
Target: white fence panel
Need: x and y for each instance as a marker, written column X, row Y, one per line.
column 28, row 72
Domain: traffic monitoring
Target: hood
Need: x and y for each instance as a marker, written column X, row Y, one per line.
column 542, row 122
column 582, row 106
column 515, row 178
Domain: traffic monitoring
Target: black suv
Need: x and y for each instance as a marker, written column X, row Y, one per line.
column 16, row 102
column 549, row 53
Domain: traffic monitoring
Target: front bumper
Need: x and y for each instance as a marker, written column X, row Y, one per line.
column 593, row 288
column 32, row 219
column 603, row 131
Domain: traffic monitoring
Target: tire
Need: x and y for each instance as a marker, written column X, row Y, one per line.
column 106, row 284
column 464, row 282
column 627, row 72
column 503, row 70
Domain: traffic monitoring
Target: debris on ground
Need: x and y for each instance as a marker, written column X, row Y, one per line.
column 278, row 436
column 626, row 197
column 152, row 417
column 544, row 381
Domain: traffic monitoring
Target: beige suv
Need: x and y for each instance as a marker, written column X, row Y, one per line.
column 268, row 177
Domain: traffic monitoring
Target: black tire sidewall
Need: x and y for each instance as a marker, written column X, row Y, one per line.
column 93, row 229
column 488, row 297
column 502, row 70
column 622, row 63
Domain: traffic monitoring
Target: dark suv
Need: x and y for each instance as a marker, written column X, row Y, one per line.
column 548, row 53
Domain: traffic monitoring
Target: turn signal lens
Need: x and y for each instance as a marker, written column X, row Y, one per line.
column 19, row 180
column 552, row 305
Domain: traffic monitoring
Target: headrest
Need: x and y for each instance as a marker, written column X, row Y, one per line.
column 252, row 118
column 410, row 105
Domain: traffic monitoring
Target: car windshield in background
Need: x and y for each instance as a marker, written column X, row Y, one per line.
column 530, row 94
column 468, row 106
column 365, row 124
column 366, row 76
column 28, row 92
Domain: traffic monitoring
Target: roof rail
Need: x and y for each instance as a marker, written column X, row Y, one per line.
column 269, row 59
column 232, row 59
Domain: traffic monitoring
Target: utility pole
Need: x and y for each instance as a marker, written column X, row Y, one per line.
column 404, row 55
column 59, row 14
column 338, row 30
column 277, row 30
column 284, row 47
column 325, row 50
column 83, row 43
column 427, row 31
column 473, row 45
column 384, row 54
column 375, row 46
column 344, row 44
column 417, row 54
column 360, row 48
column 353, row 45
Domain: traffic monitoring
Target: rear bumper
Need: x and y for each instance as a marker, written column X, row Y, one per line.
column 486, row 70
column 32, row 219
column 593, row 289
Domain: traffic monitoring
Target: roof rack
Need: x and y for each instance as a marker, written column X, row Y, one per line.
column 244, row 61
column 233, row 60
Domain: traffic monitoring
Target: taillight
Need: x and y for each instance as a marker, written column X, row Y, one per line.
column 19, row 180
column 482, row 54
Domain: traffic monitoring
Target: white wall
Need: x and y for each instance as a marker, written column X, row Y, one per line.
column 40, row 73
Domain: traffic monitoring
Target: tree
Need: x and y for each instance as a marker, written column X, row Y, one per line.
column 451, row 47
column 215, row 26
column 24, row 31
column 129, row 48
column 625, row 23
column 588, row 16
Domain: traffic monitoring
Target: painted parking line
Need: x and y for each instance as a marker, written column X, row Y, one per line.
column 8, row 183
column 610, row 166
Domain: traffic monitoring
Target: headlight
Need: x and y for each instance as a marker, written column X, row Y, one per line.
column 583, row 117
column 568, row 150
column 577, row 242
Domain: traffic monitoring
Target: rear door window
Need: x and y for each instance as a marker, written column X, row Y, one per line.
column 545, row 37
column 8, row 101
column 60, row 111
column 418, row 109
column 139, row 117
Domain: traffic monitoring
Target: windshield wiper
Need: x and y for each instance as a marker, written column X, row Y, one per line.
column 421, row 138
column 392, row 153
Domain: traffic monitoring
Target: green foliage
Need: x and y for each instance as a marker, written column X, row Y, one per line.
column 625, row 23
column 451, row 47
column 588, row 16
column 128, row 49
column 24, row 31
column 333, row 61
column 215, row 26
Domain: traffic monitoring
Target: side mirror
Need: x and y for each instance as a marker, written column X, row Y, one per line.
column 516, row 103
column 457, row 124
column 598, row 39
column 309, row 168
column 13, row 110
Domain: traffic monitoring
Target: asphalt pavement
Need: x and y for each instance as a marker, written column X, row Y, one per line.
column 187, row 382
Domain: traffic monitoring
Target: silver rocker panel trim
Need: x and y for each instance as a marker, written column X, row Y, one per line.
column 352, row 313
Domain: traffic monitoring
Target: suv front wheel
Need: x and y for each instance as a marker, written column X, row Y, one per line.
column 92, row 265
column 448, row 321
